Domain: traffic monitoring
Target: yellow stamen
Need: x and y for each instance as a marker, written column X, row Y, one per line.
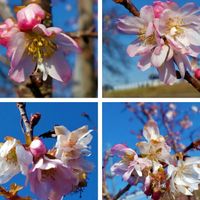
column 174, row 26
column 12, row 156
column 40, row 47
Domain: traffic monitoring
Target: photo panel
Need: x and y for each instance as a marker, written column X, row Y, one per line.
column 151, row 151
column 151, row 48
column 48, row 151
column 48, row 48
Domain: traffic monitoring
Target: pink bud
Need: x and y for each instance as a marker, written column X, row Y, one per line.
column 30, row 16
column 147, row 186
column 37, row 148
column 7, row 30
column 158, row 8
column 197, row 74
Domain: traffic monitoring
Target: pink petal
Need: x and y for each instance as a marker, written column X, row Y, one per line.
column 147, row 13
column 57, row 67
column 193, row 36
column 159, row 55
column 167, row 73
column 23, row 69
column 29, row 16
column 145, row 62
column 66, row 43
column 130, row 24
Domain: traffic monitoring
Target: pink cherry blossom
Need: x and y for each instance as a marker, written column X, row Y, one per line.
column 37, row 148
column 50, row 179
column 7, row 30
column 42, row 49
column 30, row 16
column 130, row 163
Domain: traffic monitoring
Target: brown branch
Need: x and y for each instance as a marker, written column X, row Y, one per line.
column 77, row 35
column 190, row 79
column 26, row 122
column 5, row 11
column 129, row 6
column 193, row 145
column 122, row 191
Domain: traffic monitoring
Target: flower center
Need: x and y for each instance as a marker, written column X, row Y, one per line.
column 128, row 157
column 49, row 173
column 11, row 157
column 146, row 40
column 40, row 47
column 175, row 26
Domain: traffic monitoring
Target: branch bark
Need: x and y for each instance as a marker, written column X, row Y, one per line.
column 193, row 145
column 129, row 6
column 190, row 79
column 5, row 11
column 122, row 191
column 26, row 122
column 35, row 86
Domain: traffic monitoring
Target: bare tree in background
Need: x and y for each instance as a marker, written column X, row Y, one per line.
column 85, row 83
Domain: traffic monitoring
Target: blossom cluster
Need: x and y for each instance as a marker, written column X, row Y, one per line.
column 156, row 167
column 52, row 173
column 167, row 37
column 33, row 47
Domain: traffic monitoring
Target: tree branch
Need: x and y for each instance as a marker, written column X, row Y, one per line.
column 129, row 6
column 193, row 145
column 190, row 79
column 26, row 122
column 122, row 191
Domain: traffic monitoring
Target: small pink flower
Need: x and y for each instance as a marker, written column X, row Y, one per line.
column 7, row 30
column 30, row 16
column 42, row 49
column 37, row 148
column 51, row 179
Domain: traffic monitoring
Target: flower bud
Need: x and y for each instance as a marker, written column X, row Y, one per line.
column 197, row 74
column 30, row 16
column 37, row 148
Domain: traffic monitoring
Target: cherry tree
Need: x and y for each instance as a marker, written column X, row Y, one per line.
column 163, row 160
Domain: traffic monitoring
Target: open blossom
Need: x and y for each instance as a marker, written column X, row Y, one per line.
column 130, row 164
column 13, row 160
column 30, row 16
column 50, row 179
column 155, row 148
column 33, row 47
column 185, row 177
column 72, row 145
column 166, row 36
column 42, row 49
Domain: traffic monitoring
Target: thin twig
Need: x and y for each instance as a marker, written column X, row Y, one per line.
column 193, row 145
column 122, row 191
column 129, row 6
column 76, row 35
column 190, row 79
column 27, row 125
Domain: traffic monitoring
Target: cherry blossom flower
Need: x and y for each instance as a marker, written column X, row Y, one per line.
column 130, row 164
column 30, row 16
column 41, row 49
column 37, row 148
column 186, row 122
column 72, row 145
column 13, row 159
column 155, row 148
column 51, row 179
column 185, row 177
column 181, row 28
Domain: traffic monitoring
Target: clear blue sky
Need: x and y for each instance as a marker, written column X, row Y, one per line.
column 67, row 114
column 118, row 124
column 131, row 74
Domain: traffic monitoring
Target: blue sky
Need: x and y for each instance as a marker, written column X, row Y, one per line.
column 130, row 74
column 67, row 114
column 118, row 124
